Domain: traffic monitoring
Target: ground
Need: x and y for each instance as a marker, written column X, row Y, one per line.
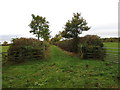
column 61, row 70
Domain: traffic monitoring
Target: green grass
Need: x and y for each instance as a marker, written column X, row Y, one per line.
column 112, row 50
column 4, row 48
column 60, row 71
column 111, row 44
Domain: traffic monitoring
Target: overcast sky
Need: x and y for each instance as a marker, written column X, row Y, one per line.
column 15, row 16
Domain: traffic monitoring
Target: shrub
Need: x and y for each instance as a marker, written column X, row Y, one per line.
column 23, row 49
column 5, row 43
column 67, row 45
column 91, row 46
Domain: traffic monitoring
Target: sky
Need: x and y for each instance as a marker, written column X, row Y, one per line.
column 101, row 16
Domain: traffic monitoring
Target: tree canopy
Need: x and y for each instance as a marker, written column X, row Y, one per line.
column 57, row 38
column 40, row 27
column 75, row 26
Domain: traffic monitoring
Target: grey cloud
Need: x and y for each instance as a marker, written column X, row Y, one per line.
column 8, row 37
column 107, row 27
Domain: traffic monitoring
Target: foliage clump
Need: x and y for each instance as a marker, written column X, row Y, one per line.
column 75, row 27
column 40, row 27
column 56, row 39
column 91, row 46
column 67, row 45
column 5, row 43
column 24, row 49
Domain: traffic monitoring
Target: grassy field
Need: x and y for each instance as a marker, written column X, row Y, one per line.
column 111, row 44
column 4, row 48
column 61, row 71
column 112, row 51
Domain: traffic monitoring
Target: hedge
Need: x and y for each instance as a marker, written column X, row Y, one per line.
column 90, row 46
column 23, row 49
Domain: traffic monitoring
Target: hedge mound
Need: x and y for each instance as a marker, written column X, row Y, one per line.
column 89, row 47
column 24, row 49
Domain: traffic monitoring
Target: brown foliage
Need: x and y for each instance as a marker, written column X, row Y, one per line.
column 24, row 49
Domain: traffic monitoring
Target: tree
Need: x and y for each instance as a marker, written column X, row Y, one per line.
column 75, row 27
column 5, row 43
column 57, row 38
column 13, row 40
column 40, row 27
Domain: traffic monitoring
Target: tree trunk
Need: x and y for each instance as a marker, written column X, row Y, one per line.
column 38, row 36
column 76, row 42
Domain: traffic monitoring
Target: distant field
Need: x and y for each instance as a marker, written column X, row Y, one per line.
column 111, row 44
column 112, row 47
column 4, row 48
column 112, row 51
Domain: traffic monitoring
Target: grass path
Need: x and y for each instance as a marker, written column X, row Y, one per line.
column 60, row 70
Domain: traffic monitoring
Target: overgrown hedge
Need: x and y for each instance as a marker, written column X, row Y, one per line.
column 67, row 45
column 90, row 46
column 111, row 39
column 6, row 44
column 24, row 49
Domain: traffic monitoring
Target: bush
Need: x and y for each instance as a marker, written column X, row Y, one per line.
column 23, row 49
column 91, row 46
column 67, row 45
